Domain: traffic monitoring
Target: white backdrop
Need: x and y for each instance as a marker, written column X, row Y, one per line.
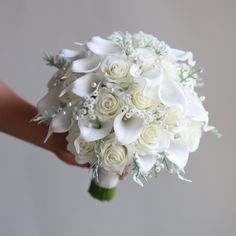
column 39, row 195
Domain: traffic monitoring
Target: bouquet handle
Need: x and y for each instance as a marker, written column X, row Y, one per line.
column 103, row 188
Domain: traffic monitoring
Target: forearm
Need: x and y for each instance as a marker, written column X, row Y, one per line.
column 15, row 116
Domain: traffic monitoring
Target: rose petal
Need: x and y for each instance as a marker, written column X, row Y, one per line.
column 178, row 153
column 81, row 158
column 82, row 86
column 67, row 53
column 127, row 131
column 172, row 95
column 85, row 65
column 146, row 163
column 100, row 46
column 90, row 134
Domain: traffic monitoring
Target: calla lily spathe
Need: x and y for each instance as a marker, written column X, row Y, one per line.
column 60, row 123
column 103, row 47
column 67, row 53
column 196, row 110
column 146, row 163
column 127, row 130
column 153, row 78
column 90, row 132
column 49, row 104
column 178, row 153
column 74, row 147
column 172, row 95
column 87, row 64
column 82, row 86
column 180, row 55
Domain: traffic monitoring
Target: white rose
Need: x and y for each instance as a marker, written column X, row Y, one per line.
column 114, row 156
column 192, row 135
column 174, row 120
column 145, row 57
column 85, row 152
column 140, row 101
column 153, row 139
column 86, row 147
column 116, row 68
column 107, row 106
column 144, row 100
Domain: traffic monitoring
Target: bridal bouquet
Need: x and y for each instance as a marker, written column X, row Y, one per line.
column 129, row 105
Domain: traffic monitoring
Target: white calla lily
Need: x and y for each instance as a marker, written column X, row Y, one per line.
column 174, row 120
column 62, row 121
column 192, row 135
column 100, row 46
column 87, row 64
column 196, row 110
column 127, row 131
column 137, row 180
column 58, row 75
column 82, row 86
column 91, row 133
column 172, row 95
column 146, row 163
column 49, row 104
column 76, row 145
column 152, row 79
column 180, row 55
column 67, row 53
column 84, row 151
column 178, row 153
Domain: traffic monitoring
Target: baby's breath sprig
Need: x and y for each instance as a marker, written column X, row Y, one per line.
column 139, row 174
column 189, row 73
column 97, row 162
